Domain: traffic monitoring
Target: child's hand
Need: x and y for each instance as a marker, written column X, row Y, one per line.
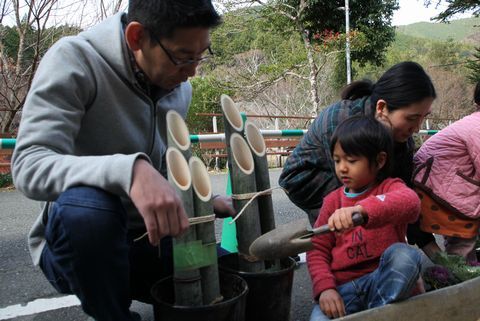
column 331, row 303
column 341, row 219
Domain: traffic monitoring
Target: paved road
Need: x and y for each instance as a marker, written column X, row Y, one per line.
column 21, row 283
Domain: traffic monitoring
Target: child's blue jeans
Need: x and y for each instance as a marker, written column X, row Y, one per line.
column 91, row 253
column 393, row 280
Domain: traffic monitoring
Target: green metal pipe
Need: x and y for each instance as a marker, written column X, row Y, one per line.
column 9, row 143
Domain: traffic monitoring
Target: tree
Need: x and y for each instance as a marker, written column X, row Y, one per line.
column 18, row 64
column 474, row 66
column 454, row 7
column 27, row 29
column 320, row 23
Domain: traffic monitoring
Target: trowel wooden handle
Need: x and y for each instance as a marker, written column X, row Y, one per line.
column 357, row 219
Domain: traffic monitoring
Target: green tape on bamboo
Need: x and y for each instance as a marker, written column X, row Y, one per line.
column 194, row 255
column 229, row 231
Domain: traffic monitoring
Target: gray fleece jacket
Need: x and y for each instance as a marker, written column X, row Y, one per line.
column 86, row 120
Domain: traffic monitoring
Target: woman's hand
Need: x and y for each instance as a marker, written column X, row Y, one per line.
column 331, row 303
column 222, row 206
column 341, row 219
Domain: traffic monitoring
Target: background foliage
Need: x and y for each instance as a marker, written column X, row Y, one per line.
column 282, row 57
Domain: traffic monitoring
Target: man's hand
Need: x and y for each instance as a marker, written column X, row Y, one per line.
column 341, row 219
column 331, row 303
column 222, row 206
column 157, row 202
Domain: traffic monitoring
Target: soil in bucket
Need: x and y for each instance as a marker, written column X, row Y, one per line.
column 270, row 292
column 233, row 288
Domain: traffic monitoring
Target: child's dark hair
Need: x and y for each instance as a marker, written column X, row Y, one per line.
column 365, row 136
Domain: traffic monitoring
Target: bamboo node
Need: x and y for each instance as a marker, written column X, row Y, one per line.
column 191, row 220
column 268, row 191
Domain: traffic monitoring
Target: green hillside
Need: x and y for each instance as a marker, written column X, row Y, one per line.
column 462, row 30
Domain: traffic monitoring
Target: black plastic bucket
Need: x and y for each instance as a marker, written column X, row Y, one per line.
column 233, row 288
column 270, row 293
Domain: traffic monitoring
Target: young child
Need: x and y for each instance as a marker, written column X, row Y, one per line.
column 357, row 268
column 447, row 177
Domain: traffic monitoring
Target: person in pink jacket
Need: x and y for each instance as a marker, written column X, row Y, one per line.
column 357, row 268
column 447, row 177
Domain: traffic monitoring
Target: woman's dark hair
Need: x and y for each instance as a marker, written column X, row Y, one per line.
column 400, row 86
column 163, row 17
column 476, row 95
column 365, row 136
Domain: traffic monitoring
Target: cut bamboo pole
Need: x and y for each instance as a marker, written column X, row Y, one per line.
column 187, row 282
column 259, row 152
column 233, row 123
column 265, row 205
column 232, row 118
column 202, row 200
column 177, row 133
column 243, row 182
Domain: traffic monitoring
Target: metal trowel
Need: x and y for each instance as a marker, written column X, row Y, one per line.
column 290, row 239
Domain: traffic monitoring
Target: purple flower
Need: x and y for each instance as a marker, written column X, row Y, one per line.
column 438, row 276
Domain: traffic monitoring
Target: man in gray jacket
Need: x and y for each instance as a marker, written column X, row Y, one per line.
column 91, row 145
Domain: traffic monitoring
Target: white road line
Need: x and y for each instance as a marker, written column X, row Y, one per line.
column 38, row 306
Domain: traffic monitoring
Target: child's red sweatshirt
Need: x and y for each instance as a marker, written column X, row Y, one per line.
column 342, row 257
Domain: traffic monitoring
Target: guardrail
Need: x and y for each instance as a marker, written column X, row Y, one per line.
column 205, row 140
column 9, row 143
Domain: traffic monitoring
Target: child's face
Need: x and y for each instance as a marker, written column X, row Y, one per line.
column 355, row 172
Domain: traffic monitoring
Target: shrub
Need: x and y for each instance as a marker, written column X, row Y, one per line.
column 5, row 179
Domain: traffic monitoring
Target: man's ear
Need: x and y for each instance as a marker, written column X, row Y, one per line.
column 136, row 35
column 381, row 160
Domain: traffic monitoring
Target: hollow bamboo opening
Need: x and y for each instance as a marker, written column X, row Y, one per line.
column 255, row 139
column 178, row 169
column 178, row 130
column 200, row 179
column 241, row 153
column 231, row 112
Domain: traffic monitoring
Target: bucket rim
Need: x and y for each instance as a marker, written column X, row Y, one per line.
column 202, row 307
column 262, row 274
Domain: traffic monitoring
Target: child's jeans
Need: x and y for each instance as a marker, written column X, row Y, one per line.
column 393, row 280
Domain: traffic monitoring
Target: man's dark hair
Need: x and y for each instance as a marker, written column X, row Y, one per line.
column 365, row 136
column 400, row 86
column 163, row 17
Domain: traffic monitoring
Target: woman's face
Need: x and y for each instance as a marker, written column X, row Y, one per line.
column 405, row 121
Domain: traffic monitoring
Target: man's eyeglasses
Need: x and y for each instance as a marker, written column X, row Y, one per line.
column 182, row 62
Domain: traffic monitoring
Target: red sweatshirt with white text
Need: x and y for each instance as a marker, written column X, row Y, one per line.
column 342, row 257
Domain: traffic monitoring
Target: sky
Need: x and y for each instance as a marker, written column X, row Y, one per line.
column 412, row 11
